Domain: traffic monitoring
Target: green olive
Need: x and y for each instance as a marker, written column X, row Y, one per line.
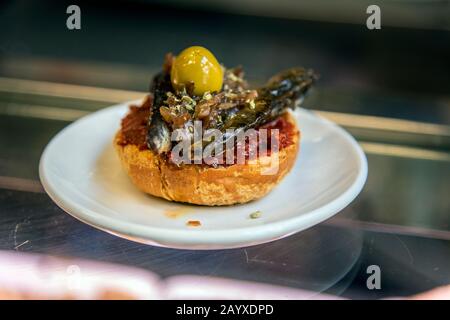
column 199, row 66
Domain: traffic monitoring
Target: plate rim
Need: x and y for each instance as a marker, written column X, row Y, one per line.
column 220, row 238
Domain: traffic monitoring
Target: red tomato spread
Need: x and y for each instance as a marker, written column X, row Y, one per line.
column 135, row 124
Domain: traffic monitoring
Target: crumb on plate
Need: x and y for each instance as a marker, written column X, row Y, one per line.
column 193, row 223
column 255, row 215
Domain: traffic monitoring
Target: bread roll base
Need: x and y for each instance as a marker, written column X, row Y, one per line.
column 204, row 185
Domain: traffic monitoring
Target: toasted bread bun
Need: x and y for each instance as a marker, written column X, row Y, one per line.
column 204, row 185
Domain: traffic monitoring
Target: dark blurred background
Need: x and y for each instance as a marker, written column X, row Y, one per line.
column 402, row 70
column 389, row 88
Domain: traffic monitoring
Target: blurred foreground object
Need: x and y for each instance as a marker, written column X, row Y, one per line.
column 30, row 276
column 439, row 293
column 40, row 277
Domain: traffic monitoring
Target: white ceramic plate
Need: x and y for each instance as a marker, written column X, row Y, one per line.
column 82, row 174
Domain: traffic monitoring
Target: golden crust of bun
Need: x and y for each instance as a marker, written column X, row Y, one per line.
column 204, row 185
